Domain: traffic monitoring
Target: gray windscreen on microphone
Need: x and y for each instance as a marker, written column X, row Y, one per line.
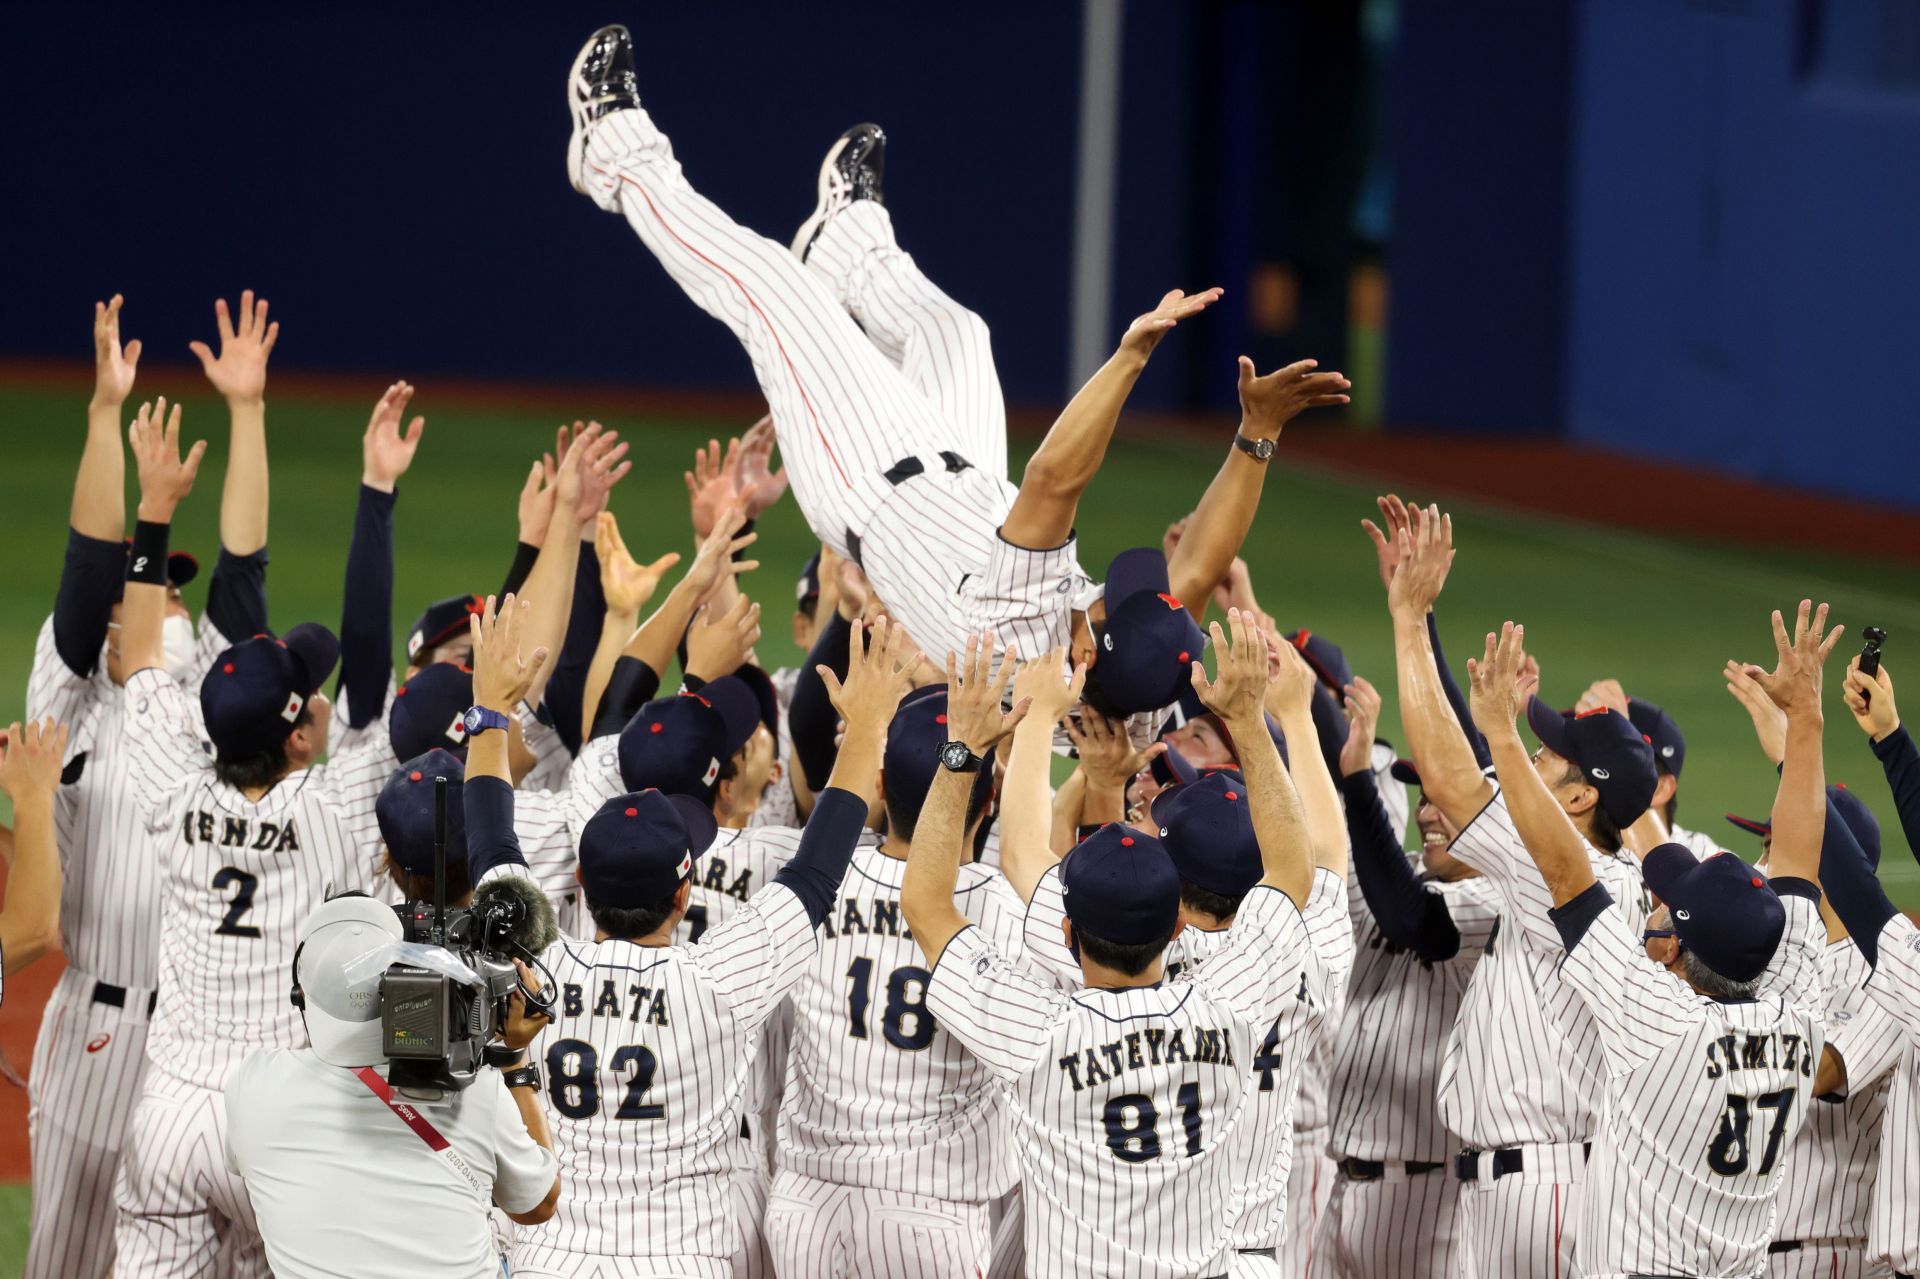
column 538, row 928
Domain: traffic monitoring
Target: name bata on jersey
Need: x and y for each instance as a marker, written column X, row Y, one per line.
column 644, row 999
column 239, row 832
column 1774, row 1051
column 1085, row 1068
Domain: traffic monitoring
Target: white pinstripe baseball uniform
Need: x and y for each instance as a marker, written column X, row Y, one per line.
column 1820, row 1226
column 892, row 1135
column 1702, row 1097
column 1393, row 1036
column 237, row 878
column 845, row 414
column 1699, row 843
column 1128, row 1105
column 1893, row 1223
column 1895, row 984
column 90, row 1053
column 1521, row 1070
column 647, row 1068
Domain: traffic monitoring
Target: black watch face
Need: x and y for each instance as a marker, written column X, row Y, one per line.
column 956, row 756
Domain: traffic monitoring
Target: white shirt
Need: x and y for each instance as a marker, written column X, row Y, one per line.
column 343, row 1187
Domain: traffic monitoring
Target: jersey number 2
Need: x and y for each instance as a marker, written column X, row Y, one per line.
column 905, row 1022
column 243, row 884
column 1728, row 1155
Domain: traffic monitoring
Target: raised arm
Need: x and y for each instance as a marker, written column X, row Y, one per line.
column 1109, row 761
column 240, row 375
column 1436, row 740
column 1870, row 698
column 975, row 694
column 1067, row 460
column 1292, row 695
column 1499, row 691
column 1026, row 807
column 627, row 585
column 165, row 481
column 1279, row 820
column 503, row 671
column 366, row 614
column 1794, row 685
column 593, row 465
column 1217, row 529
column 30, row 774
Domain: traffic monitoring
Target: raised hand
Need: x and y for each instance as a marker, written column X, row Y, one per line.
column 713, row 485
column 627, row 584
column 1268, row 403
column 1363, row 726
column 31, row 761
column 758, row 485
column 165, row 478
column 715, row 556
column 1039, row 683
column 598, row 461
column 385, row 454
column 1145, row 332
column 1795, row 682
column 1107, row 755
column 113, row 364
column 880, row 662
column 976, row 692
column 1500, row 688
column 1769, row 721
column 1290, row 681
column 240, row 372
column 1870, row 698
column 1386, row 543
column 502, row 674
column 721, row 643
column 1603, row 692
column 1425, row 554
column 1240, row 651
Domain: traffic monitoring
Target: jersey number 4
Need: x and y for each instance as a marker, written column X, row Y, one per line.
column 573, row 1080
column 1133, row 1125
column 1728, row 1155
column 905, row 1021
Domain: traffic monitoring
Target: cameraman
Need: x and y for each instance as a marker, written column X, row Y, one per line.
column 348, row 1179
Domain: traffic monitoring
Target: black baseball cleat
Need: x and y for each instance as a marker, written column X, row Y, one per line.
column 602, row 81
column 853, row 169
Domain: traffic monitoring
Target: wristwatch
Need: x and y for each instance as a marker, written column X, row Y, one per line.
column 957, row 757
column 1258, row 450
column 527, row 1076
column 479, row 719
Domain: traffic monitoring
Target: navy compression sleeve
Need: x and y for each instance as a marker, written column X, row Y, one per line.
column 491, row 841
column 237, row 596
column 1410, row 914
column 366, row 616
column 826, row 847
column 90, row 581
column 568, row 684
column 1901, row 761
column 632, row 685
column 811, row 719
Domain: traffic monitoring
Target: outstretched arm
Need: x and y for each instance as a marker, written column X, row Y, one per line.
column 165, row 481
column 366, row 613
column 1067, row 460
column 1794, row 685
column 1026, row 807
column 30, row 774
column 1870, row 698
column 1217, row 529
column 240, row 375
column 1292, row 695
column 626, row 585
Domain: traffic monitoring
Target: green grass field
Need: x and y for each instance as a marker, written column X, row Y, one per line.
column 1662, row 616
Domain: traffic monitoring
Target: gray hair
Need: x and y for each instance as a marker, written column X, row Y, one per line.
column 1708, row 982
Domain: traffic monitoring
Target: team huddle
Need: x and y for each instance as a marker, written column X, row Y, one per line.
column 998, row 938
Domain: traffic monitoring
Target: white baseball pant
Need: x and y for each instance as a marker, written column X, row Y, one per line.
column 750, row 1190
column 180, row 1208
column 817, row 1230
column 532, row 1262
column 1009, row 1258
column 1309, row 1185
column 1520, row 1226
column 88, row 1062
column 1395, row 1227
column 1826, row 1259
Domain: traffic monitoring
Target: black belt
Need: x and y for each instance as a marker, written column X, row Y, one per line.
column 1375, row 1169
column 116, row 996
column 899, row 473
column 1784, row 1245
column 1466, row 1165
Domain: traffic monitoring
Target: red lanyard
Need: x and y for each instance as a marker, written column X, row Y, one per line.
column 413, row 1119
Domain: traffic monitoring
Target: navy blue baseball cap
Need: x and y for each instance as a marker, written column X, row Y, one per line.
column 1853, row 811
column 1207, row 830
column 912, row 757
column 677, row 744
column 639, row 847
column 1617, row 760
column 1403, row 770
column 1149, row 641
column 1669, row 744
column 1120, row 886
column 1188, row 707
column 405, row 812
column 1723, row 910
column 1324, row 658
column 258, row 689
column 443, row 620
column 428, row 710
column 760, row 684
column 1170, row 789
column 1171, row 768
column 808, row 587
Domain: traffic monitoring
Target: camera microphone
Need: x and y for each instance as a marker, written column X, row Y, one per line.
column 529, row 918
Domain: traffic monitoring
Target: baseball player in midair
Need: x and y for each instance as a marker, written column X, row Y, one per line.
column 90, row 1055
column 996, row 556
column 248, row 842
column 1707, row 1078
column 647, row 1064
column 1130, row 1097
